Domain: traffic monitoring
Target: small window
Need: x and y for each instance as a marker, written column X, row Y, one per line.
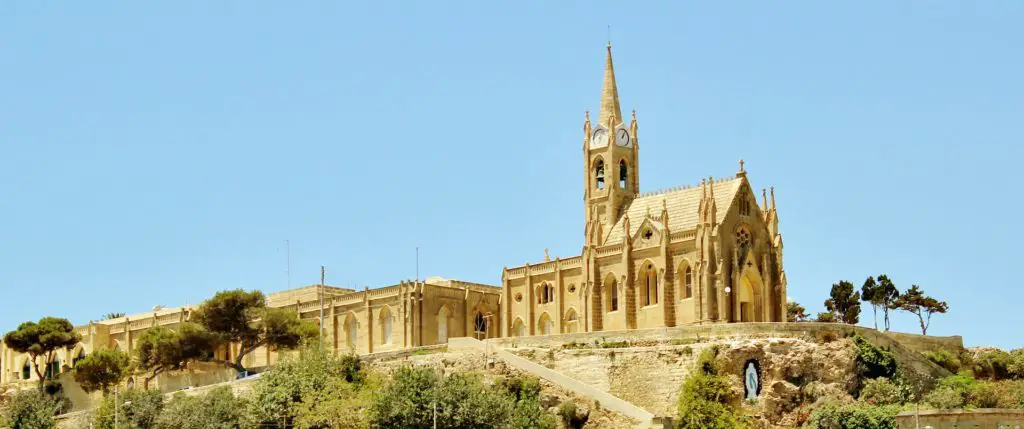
column 599, row 174
column 572, row 288
column 545, row 293
column 519, row 297
column 614, row 296
column 688, row 283
column 623, row 175
column 648, row 234
column 744, row 206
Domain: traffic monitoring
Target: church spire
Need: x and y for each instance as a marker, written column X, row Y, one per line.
column 610, row 94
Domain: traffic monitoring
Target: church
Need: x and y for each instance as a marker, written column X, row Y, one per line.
column 707, row 253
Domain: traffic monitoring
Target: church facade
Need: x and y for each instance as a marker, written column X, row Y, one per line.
column 707, row 253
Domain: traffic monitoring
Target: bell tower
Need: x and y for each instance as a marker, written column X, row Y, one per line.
column 610, row 160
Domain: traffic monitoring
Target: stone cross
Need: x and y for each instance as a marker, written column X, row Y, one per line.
column 741, row 165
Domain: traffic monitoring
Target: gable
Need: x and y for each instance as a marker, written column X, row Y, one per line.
column 682, row 205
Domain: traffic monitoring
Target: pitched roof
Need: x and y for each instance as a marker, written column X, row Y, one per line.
column 682, row 207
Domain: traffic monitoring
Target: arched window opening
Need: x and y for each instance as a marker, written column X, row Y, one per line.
column 53, row 369
column 385, row 326
column 26, row 371
column 623, row 175
column 547, row 325
column 519, row 328
column 688, row 283
column 614, row 291
column 545, row 293
column 650, row 285
column 351, row 332
column 480, row 326
column 599, row 174
column 571, row 322
column 442, row 325
column 744, row 206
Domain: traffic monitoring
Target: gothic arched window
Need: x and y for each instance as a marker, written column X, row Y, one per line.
column 688, row 283
column 545, row 293
column 613, row 290
column 599, row 174
column 623, row 175
column 744, row 206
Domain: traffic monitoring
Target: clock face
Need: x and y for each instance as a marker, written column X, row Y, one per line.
column 600, row 138
column 622, row 137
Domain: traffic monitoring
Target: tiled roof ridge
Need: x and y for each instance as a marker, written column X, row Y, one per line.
column 680, row 188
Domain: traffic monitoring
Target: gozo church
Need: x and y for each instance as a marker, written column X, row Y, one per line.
column 698, row 254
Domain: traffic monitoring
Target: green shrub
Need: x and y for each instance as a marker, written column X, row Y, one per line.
column 992, row 364
column 873, row 361
column 883, row 391
column 297, row 383
column 704, row 397
column 136, row 408
column 853, row 416
column 961, row 391
column 945, row 398
column 460, row 400
column 1015, row 366
column 1008, row 394
column 217, row 409
column 30, row 409
column 945, row 359
column 615, row 344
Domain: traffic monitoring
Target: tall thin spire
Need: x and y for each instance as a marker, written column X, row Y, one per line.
column 610, row 93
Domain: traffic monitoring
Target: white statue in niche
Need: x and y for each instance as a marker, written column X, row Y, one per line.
column 751, row 381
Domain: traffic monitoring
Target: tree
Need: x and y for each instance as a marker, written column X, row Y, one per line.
column 30, row 409
column 42, row 340
column 915, row 301
column 241, row 317
column 218, row 409
column 844, row 303
column 825, row 317
column 885, row 296
column 112, row 316
column 134, row 409
column 795, row 312
column 308, row 388
column 867, row 294
column 160, row 349
column 102, row 369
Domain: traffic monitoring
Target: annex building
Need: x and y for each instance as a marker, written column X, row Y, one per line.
column 699, row 254
column 398, row 317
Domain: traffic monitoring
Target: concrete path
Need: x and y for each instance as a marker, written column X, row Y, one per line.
column 606, row 399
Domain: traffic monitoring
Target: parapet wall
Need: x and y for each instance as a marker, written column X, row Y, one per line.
column 927, row 343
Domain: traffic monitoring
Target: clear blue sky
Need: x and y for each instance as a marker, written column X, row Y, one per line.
column 156, row 153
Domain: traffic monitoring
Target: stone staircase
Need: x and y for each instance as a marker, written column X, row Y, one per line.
column 607, row 400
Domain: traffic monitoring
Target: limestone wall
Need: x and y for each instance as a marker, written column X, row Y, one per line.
column 923, row 343
column 904, row 353
column 984, row 418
